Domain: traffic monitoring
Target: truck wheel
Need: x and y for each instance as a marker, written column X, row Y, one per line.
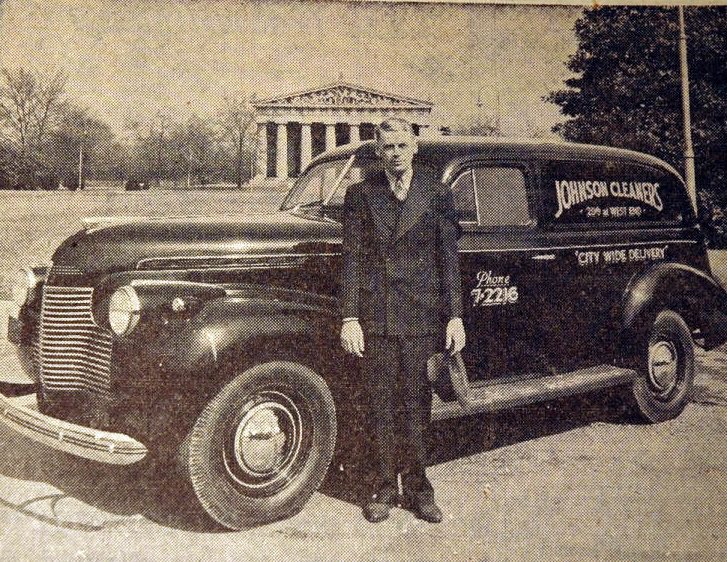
column 262, row 446
column 666, row 375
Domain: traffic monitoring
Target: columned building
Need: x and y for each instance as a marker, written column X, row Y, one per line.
column 295, row 127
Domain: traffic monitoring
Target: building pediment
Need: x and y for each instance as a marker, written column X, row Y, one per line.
column 343, row 95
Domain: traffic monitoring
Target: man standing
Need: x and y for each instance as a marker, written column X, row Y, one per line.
column 401, row 303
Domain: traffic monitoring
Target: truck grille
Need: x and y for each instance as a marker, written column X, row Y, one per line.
column 74, row 353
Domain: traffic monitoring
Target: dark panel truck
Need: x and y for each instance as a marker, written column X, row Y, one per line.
column 216, row 339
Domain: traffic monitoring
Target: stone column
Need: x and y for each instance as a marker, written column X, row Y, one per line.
column 281, row 154
column 330, row 136
column 306, row 145
column 261, row 163
column 354, row 133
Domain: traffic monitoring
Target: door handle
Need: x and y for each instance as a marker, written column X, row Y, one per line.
column 545, row 257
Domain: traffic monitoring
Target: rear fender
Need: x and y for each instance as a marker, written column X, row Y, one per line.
column 695, row 295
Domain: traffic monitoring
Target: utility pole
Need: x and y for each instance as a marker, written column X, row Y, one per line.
column 80, row 158
column 239, row 158
column 688, row 148
column 162, row 124
column 189, row 148
column 189, row 165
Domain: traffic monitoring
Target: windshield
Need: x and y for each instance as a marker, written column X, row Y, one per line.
column 328, row 181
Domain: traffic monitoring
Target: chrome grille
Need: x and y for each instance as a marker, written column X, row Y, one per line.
column 74, row 353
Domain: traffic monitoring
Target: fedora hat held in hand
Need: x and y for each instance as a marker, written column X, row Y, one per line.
column 448, row 374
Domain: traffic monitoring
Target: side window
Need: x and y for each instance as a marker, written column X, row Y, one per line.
column 463, row 191
column 501, row 196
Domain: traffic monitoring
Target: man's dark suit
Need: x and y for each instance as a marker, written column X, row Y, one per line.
column 401, row 280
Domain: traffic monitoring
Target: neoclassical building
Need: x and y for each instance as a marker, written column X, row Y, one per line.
column 295, row 127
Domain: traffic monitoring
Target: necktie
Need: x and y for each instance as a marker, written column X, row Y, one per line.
column 399, row 189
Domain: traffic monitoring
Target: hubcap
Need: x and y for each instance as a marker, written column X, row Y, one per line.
column 261, row 438
column 663, row 366
column 266, row 443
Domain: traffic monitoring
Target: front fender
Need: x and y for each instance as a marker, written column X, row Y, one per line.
column 692, row 293
column 227, row 329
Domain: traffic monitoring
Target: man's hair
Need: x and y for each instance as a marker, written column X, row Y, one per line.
column 392, row 124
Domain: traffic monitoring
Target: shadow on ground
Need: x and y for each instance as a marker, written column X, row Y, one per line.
column 459, row 438
column 157, row 493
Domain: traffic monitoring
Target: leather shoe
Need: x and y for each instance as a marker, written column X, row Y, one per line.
column 424, row 508
column 378, row 507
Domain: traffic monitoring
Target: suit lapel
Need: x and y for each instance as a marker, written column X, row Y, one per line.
column 379, row 201
column 417, row 202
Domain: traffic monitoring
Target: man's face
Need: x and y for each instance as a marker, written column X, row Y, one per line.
column 396, row 150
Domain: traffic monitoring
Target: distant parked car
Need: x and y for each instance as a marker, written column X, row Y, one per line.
column 136, row 184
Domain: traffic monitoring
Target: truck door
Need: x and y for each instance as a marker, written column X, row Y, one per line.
column 499, row 252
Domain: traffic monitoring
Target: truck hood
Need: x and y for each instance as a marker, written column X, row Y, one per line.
column 124, row 244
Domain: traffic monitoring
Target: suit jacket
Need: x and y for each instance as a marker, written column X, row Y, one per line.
column 400, row 263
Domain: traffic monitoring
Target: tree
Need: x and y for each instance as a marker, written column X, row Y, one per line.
column 235, row 118
column 201, row 149
column 29, row 105
column 193, row 150
column 626, row 91
column 76, row 128
column 148, row 148
column 488, row 128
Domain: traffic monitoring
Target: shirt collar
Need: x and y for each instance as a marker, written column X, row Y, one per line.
column 405, row 177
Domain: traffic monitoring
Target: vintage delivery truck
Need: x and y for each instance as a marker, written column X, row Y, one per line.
column 216, row 339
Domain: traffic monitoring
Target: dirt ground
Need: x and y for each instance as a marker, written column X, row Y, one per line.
column 566, row 480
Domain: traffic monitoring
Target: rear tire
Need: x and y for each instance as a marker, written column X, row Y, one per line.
column 666, row 369
column 262, row 446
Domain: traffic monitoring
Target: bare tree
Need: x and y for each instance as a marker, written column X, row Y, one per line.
column 488, row 128
column 78, row 132
column 30, row 104
column 235, row 118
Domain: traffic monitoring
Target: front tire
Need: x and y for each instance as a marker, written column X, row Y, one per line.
column 666, row 369
column 262, row 446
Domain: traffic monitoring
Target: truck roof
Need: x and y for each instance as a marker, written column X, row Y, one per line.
column 441, row 150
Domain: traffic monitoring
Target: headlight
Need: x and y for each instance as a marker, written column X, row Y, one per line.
column 24, row 284
column 124, row 310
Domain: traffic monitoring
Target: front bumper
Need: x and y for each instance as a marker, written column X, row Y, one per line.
column 21, row 415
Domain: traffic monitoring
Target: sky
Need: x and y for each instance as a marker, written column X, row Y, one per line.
column 132, row 59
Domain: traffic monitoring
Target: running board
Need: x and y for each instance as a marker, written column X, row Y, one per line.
column 495, row 397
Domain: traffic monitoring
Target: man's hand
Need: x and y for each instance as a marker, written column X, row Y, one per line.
column 455, row 338
column 352, row 338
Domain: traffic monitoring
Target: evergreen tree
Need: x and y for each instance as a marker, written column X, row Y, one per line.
column 627, row 92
